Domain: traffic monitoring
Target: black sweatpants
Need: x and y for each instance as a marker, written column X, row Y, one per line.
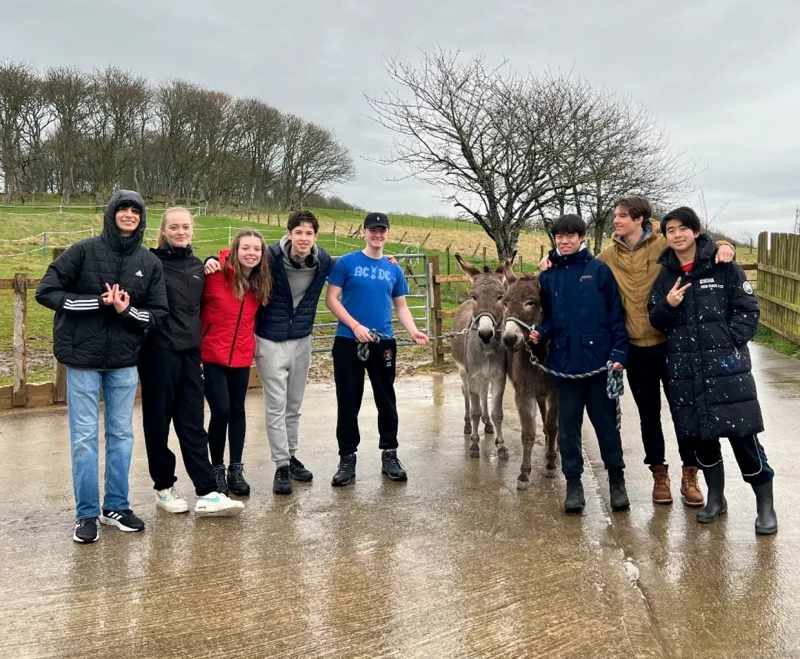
column 748, row 452
column 172, row 391
column 647, row 372
column 573, row 397
column 226, row 389
column 348, row 373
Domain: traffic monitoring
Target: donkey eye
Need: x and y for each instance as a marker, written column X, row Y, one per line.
column 500, row 297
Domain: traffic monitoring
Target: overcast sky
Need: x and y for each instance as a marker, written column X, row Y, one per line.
column 723, row 77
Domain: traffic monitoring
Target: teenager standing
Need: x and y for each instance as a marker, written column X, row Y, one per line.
column 369, row 285
column 237, row 285
column 172, row 378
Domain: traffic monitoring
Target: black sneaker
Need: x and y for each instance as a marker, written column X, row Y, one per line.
column 282, row 484
column 347, row 470
column 574, row 501
column 236, row 482
column 392, row 467
column 86, row 531
column 124, row 520
column 617, row 492
column 220, row 477
column 298, row 471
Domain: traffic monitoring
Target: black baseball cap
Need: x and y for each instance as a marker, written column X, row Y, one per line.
column 376, row 220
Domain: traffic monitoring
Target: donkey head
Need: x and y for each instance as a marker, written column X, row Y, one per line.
column 486, row 293
column 523, row 303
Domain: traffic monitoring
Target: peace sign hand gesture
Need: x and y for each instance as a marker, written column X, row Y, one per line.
column 677, row 293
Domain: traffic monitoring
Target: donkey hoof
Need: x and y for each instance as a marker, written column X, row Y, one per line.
column 467, row 431
column 502, row 453
column 522, row 484
column 488, row 430
column 550, row 472
column 474, row 452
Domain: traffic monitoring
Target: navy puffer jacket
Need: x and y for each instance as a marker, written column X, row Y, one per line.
column 279, row 320
column 583, row 314
column 711, row 390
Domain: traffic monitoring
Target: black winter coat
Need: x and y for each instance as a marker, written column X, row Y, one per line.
column 711, row 390
column 86, row 333
column 279, row 320
column 183, row 274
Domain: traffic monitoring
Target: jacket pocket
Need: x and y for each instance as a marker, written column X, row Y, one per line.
column 597, row 347
column 560, row 342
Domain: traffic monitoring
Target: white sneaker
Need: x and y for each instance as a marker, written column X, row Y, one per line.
column 217, row 504
column 171, row 501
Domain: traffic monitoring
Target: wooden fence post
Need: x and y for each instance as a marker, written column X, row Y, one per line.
column 541, row 252
column 477, row 247
column 436, row 307
column 59, row 370
column 20, row 342
column 484, row 257
column 520, row 264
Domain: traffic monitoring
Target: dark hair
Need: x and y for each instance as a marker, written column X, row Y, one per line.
column 686, row 216
column 637, row 206
column 298, row 217
column 569, row 224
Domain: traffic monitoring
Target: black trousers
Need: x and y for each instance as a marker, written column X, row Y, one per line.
column 348, row 373
column 172, row 391
column 590, row 394
column 226, row 389
column 749, row 455
column 647, row 373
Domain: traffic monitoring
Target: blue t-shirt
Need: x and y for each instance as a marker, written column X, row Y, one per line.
column 368, row 287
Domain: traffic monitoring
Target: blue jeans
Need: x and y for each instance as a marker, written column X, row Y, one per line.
column 83, row 405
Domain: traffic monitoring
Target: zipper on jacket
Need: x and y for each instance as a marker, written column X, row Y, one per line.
column 108, row 340
column 236, row 331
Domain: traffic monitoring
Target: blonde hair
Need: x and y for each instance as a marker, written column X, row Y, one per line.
column 162, row 237
column 260, row 279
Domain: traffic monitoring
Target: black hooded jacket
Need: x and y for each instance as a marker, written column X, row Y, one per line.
column 87, row 333
column 711, row 390
column 183, row 275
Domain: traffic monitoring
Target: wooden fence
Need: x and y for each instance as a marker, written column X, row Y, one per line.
column 779, row 283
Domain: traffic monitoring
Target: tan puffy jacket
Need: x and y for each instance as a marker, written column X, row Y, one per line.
column 636, row 271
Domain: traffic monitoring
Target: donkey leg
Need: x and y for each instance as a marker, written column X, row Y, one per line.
column 475, row 411
column 548, row 406
column 488, row 428
column 498, row 389
column 527, row 420
column 465, row 392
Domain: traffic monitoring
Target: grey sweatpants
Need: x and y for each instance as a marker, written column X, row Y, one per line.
column 283, row 369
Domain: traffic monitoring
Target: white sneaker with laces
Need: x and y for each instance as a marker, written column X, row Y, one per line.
column 217, row 504
column 171, row 501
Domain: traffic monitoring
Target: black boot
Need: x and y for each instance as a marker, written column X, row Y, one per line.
column 236, row 482
column 392, row 467
column 767, row 521
column 617, row 491
column 282, row 484
column 219, row 475
column 574, row 501
column 298, row 471
column 715, row 500
column 346, row 471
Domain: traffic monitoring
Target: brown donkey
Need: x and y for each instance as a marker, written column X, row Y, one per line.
column 480, row 355
column 523, row 309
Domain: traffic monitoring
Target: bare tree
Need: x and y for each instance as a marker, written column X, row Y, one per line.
column 260, row 141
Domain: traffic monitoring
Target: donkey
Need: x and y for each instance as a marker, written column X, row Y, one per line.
column 522, row 311
column 480, row 355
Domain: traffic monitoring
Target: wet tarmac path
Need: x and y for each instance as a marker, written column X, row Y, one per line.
column 454, row 563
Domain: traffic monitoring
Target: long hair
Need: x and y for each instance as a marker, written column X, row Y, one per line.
column 162, row 237
column 259, row 282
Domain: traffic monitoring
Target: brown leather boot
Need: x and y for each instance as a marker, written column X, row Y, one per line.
column 661, row 493
column 690, row 490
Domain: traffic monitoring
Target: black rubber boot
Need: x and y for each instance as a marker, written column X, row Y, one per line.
column 574, row 501
column 236, row 482
column 282, row 484
column 346, row 472
column 392, row 467
column 715, row 499
column 617, row 491
column 767, row 521
column 220, row 477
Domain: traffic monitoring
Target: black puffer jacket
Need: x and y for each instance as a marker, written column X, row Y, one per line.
column 712, row 392
column 183, row 275
column 86, row 333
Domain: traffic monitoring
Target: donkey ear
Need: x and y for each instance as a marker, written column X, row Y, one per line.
column 470, row 270
column 508, row 268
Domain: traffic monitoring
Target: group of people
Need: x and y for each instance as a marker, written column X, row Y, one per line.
column 189, row 331
column 670, row 308
column 673, row 309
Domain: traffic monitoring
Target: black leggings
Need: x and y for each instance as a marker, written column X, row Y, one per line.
column 226, row 389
